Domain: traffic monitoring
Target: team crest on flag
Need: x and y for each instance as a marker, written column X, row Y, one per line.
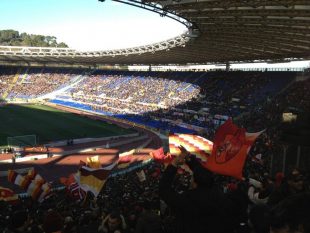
column 230, row 146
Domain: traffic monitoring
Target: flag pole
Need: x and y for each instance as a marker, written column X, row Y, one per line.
column 284, row 157
column 271, row 164
column 298, row 156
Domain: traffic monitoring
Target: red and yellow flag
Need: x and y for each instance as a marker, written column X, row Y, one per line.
column 230, row 149
column 93, row 176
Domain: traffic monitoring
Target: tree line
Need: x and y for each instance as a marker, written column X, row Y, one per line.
column 14, row 38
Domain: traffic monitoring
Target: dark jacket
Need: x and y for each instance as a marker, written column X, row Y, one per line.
column 148, row 222
column 204, row 209
column 281, row 193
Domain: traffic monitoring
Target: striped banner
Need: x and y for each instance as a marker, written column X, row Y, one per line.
column 32, row 183
column 33, row 175
column 196, row 145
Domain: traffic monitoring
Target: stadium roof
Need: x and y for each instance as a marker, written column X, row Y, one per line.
column 220, row 31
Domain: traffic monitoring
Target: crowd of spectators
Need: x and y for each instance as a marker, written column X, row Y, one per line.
column 156, row 95
column 116, row 106
column 37, row 84
column 173, row 200
column 176, row 97
column 32, row 83
column 269, row 116
column 5, row 82
column 140, row 91
column 124, row 199
column 227, row 94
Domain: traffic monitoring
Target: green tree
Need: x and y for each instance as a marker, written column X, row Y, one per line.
column 13, row 38
column 62, row 45
column 7, row 35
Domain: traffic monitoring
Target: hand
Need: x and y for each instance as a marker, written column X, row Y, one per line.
column 184, row 152
column 180, row 160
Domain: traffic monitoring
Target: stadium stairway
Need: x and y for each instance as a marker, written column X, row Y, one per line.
column 73, row 82
column 24, row 76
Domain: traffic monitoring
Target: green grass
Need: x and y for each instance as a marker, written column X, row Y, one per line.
column 50, row 124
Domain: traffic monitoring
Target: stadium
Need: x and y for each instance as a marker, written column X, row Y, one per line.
column 90, row 140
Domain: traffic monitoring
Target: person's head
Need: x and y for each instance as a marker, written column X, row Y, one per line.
column 114, row 221
column 20, row 220
column 146, row 205
column 278, row 179
column 202, row 177
column 295, row 180
column 53, row 222
column 292, row 215
column 132, row 220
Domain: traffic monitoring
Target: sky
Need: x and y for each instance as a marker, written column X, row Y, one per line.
column 88, row 25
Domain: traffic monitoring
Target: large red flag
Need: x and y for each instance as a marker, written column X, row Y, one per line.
column 230, row 148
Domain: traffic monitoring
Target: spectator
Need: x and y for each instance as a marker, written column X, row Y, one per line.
column 292, row 184
column 292, row 215
column 202, row 209
column 259, row 192
column 53, row 222
column 113, row 223
column 13, row 158
column 149, row 221
column 278, row 179
column 20, row 221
